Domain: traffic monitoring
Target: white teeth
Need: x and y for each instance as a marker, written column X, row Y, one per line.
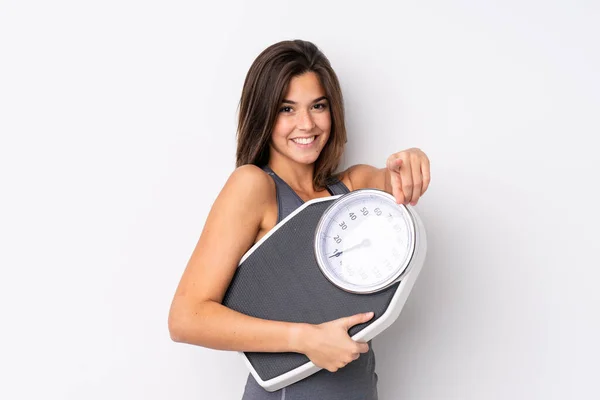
column 304, row 140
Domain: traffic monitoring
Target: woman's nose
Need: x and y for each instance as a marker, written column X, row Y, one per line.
column 305, row 121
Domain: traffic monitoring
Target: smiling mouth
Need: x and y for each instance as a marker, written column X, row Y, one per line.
column 307, row 140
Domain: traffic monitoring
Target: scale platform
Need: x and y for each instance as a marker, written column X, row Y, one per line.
column 279, row 279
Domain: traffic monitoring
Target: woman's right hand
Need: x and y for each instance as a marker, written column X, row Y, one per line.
column 329, row 346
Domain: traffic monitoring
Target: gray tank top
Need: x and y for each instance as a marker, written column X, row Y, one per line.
column 357, row 380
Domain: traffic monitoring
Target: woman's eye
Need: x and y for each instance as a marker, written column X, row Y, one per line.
column 285, row 109
column 320, row 106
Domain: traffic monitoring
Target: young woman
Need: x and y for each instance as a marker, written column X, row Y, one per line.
column 291, row 135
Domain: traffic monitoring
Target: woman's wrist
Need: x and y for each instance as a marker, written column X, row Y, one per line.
column 297, row 337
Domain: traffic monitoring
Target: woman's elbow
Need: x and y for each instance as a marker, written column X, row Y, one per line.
column 174, row 328
column 178, row 323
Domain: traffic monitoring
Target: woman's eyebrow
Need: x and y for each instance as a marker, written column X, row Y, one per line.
column 314, row 101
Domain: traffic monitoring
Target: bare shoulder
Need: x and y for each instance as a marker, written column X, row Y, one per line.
column 249, row 182
column 362, row 176
column 251, row 196
column 246, row 199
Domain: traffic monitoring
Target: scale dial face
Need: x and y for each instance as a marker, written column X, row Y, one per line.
column 365, row 241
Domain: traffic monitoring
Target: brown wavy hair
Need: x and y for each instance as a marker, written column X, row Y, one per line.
column 265, row 86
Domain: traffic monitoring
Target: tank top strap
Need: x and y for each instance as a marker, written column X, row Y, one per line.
column 338, row 187
column 287, row 199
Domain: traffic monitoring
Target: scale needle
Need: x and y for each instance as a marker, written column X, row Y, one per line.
column 365, row 242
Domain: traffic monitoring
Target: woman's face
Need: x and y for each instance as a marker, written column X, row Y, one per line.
column 303, row 122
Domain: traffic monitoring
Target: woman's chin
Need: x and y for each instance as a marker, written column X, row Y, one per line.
column 307, row 160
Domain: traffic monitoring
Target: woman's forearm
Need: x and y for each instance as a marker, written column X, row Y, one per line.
column 211, row 324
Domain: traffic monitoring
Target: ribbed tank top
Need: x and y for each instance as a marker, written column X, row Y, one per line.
column 357, row 380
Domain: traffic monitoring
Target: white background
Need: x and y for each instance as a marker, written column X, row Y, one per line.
column 117, row 122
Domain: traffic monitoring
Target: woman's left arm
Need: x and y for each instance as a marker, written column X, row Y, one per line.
column 406, row 176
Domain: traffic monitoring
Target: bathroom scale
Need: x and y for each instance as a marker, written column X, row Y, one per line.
column 332, row 257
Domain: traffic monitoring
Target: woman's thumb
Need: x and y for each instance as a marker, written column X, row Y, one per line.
column 358, row 319
column 393, row 163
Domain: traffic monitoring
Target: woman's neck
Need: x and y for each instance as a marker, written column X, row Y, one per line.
column 298, row 176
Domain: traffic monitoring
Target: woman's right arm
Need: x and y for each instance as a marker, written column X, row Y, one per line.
column 197, row 315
